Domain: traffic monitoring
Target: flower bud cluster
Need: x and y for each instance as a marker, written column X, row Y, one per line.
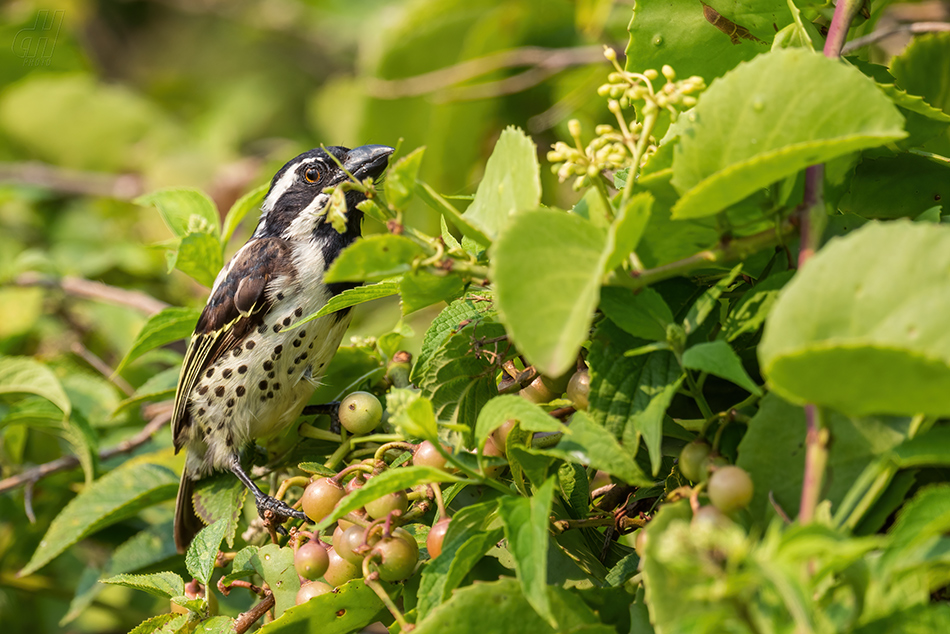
column 618, row 147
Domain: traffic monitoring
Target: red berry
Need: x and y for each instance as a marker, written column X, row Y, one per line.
column 578, row 389
column 436, row 537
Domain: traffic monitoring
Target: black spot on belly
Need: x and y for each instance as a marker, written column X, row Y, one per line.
column 299, row 311
column 262, row 329
column 230, row 402
column 237, row 351
column 203, row 390
column 268, row 365
column 278, row 349
column 220, row 425
column 287, row 321
column 262, row 385
column 229, row 441
column 201, row 411
column 242, row 369
column 276, row 327
column 276, row 386
column 219, row 391
column 250, row 344
column 240, row 390
column 302, row 334
column 226, row 374
column 297, row 343
column 280, row 296
column 209, row 373
column 270, row 395
column 271, row 375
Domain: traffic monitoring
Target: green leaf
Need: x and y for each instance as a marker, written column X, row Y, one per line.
column 400, row 182
column 158, row 387
column 199, row 255
column 756, row 126
column 629, row 395
column 643, row 314
column 584, row 442
column 184, row 210
column 923, row 520
column 547, row 271
column 430, row 197
column 512, row 183
column 348, row 608
column 924, row 69
column 220, row 499
column 161, row 584
column 119, row 494
column 627, row 229
column 420, row 289
column 203, row 551
column 353, row 297
column 217, row 625
column 411, row 412
column 374, row 258
column 171, row 324
column 864, row 334
column 924, row 184
column 159, row 623
column 449, row 321
column 466, row 542
column 773, row 454
column 750, row 313
column 703, row 306
column 23, row 375
column 387, row 482
column 276, row 566
column 718, row 358
column 251, row 201
column 931, row 449
column 527, row 530
column 512, row 407
column 672, row 33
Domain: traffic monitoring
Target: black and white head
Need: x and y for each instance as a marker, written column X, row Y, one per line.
column 296, row 193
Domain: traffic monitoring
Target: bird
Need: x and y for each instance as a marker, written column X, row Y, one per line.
column 249, row 371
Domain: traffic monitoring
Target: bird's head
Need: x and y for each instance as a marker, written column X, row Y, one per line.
column 296, row 193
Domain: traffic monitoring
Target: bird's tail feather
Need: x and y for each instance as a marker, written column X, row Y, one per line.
column 187, row 522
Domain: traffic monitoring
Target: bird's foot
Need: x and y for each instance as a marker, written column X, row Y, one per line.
column 281, row 510
column 331, row 409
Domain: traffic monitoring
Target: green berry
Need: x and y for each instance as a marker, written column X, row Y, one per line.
column 360, row 413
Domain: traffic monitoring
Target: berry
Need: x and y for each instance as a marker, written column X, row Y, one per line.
column 578, row 389
column 544, row 389
column 360, row 413
column 436, row 537
column 395, row 557
column 349, row 541
column 729, row 489
column 312, row 589
column 426, row 455
column 491, row 449
column 311, row 560
column 641, row 544
column 320, row 497
column 500, row 435
column 709, row 516
column 383, row 506
column 691, row 460
column 340, row 570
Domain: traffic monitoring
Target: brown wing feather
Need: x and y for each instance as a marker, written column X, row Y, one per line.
column 238, row 305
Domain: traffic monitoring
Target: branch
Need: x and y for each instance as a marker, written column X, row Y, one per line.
column 70, row 462
column 244, row 622
column 845, row 12
column 915, row 28
column 88, row 289
column 726, row 251
column 68, row 181
column 545, row 61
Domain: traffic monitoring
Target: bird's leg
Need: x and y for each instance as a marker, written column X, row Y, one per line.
column 264, row 502
column 331, row 409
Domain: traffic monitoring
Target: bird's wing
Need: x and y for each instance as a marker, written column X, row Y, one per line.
column 237, row 306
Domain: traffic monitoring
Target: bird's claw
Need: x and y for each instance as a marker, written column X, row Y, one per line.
column 280, row 510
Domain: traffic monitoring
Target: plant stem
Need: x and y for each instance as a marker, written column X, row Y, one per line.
column 725, row 251
column 845, row 12
column 697, row 394
column 816, row 459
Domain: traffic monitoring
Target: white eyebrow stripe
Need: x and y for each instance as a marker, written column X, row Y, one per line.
column 285, row 182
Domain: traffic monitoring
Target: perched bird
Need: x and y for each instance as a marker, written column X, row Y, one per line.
column 246, row 375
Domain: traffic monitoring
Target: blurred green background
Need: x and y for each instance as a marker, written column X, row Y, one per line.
column 101, row 101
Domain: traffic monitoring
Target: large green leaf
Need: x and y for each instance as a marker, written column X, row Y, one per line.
column 353, row 297
column 29, row 376
column 349, row 608
column 512, row 183
column 118, row 494
column 547, row 270
column 861, row 327
column 924, row 184
column 171, row 324
column 198, row 255
column 160, row 584
column 924, row 69
column 445, row 324
column 373, row 259
column 203, row 551
column 719, row 359
column 244, row 205
column 184, row 210
column 764, row 121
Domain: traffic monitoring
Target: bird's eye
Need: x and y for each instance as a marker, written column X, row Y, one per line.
column 312, row 174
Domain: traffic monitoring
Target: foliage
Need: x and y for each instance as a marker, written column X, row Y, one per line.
column 682, row 286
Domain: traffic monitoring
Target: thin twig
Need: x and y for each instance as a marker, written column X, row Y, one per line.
column 546, row 59
column 71, row 462
column 915, row 28
column 244, row 622
column 88, row 289
column 69, row 181
column 101, row 367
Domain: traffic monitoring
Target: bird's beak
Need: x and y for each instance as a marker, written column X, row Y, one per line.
column 367, row 160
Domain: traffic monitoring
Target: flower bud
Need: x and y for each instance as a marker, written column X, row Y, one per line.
column 574, row 127
column 651, row 74
column 610, row 53
column 668, row 72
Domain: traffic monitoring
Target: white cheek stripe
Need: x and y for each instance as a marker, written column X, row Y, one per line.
column 302, row 226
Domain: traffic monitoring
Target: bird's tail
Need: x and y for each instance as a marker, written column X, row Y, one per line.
column 187, row 522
